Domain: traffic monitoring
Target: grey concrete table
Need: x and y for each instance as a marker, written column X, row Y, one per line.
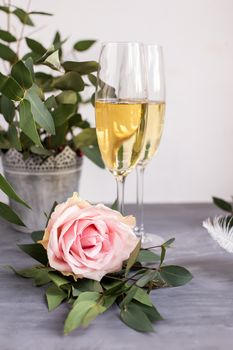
column 196, row 316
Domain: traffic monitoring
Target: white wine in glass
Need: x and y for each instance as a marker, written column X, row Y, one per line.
column 154, row 129
column 121, row 109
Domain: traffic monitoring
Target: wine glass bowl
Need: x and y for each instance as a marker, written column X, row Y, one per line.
column 121, row 109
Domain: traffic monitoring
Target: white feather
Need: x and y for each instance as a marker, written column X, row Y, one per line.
column 220, row 230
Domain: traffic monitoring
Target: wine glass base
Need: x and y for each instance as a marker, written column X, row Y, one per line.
column 152, row 240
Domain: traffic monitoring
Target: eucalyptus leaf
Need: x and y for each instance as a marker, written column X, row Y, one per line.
column 93, row 153
column 10, row 88
column 69, row 81
column 27, row 123
column 22, row 75
column 54, row 296
column 7, row 36
column 150, row 311
column 83, row 45
column 40, row 13
column 133, row 257
column 53, row 61
column 9, row 215
column 142, row 296
column 62, row 113
column 67, row 97
column 9, row 191
column 35, row 46
column 39, row 111
column 40, row 151
column 82, row 68
column 222, row 204
column 23, row 16
column 58, row 279
column 134, row 317
column 163, row 253
column 146, row 278
column 14, row 137
column 37, row 236
column 175, row 275
column 36, row 251
column 7, row 109
column 7, row 54
column 85, row 138
column 5, row 9
column 76, row 315
column 147, row 256
column 168, row 242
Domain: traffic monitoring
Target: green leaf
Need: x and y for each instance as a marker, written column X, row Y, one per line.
column 82, row 68
column 7, row 54
column 76, row 315
column 83, row 45
column 40, row 13
column 22, row 75
column 222, row 204
column 85, row 138
column 69, row 81
column 9, row 191
column 84, row 285
column 44, row 81
column 40, row 151
column 23, row 16
column 9, row 215
column 53, row 61
column 57, row 279
column 39, row 275
column 39, row 111
column 37, row 236
column 93, row 153
column 175, row 275
column 92, row 313
column 150, row 311
column 147, row 256
column 67, row 97
column 35, row 46
column 133, row 257
column 62, row 113
column 163, row 253
column 36, row 251
column 86, row 296
column 7, row 109
column 134, row 317
column 168, row 243
column 7, row 36
column 54, row 296
column 5, row 9
column 14, row 137
column 29, row 64
column 146, row 277
column 27, row 123
column 93, row 80
column 10, row 88
column 143, row 297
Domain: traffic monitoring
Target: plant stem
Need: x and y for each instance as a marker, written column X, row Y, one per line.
column 22, row 30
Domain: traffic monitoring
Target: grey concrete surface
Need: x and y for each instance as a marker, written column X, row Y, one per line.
column 196, row 316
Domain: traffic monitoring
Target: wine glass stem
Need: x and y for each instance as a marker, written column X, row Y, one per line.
column 120, row 193
column 140, row 208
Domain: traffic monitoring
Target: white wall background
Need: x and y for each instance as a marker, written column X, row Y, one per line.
column 195, row 157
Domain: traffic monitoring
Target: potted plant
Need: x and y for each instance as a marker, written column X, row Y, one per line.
column 43, row 135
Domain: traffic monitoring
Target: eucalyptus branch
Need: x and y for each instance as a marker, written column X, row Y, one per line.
column 22, row 30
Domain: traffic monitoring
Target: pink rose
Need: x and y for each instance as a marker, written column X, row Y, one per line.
column 88, row 240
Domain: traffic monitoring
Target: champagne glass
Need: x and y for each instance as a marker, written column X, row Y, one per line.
column 154, row 129
column 120, row 109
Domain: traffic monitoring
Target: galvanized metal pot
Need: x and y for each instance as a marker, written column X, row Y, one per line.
column 41, row 182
